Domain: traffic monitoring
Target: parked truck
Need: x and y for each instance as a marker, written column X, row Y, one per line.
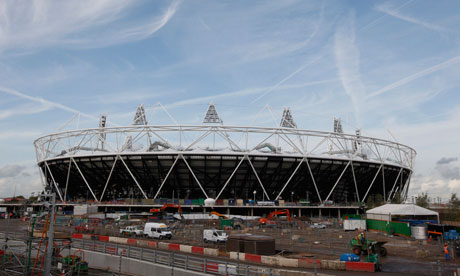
column 133, row 230
column 213, row 235
column 157, row 231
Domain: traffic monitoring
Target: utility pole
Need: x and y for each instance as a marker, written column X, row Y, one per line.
column 49, row 249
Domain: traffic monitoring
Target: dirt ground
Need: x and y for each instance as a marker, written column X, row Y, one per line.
column 405, row 256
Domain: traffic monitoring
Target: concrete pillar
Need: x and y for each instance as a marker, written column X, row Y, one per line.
column 252, row 211
column 338, row 213
column 300, row 212
column 357, row 211
column 319, row 212
column 228, row 211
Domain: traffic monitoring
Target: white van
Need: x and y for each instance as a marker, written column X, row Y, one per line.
column 157, row 231
column 212, row 235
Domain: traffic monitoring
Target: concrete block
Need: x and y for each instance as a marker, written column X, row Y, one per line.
column 360, row 266
column 309, row 263
column 132, row 241
column 333, row 265
column 325, row 264
column 163, row 245
column 186, row 248
column 286, row 262
column 152, row 244
column 234, row 256
column 118, row 240
column 174, row 246
column 122, row 240
column 253, row 258
column 211, row 252
column 197, row 250
column 270, row 260
column 143, row 243
column 87, row 236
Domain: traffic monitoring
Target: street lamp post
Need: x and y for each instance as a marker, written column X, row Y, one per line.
column 292, row 196
column 255, row 192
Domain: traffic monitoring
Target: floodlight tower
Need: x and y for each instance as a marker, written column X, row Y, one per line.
column 338, row 125
column 287, row 120
column 102, row 126
column 139, row 118
column 212, row 117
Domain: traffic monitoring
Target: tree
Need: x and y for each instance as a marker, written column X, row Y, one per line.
column 422, row 200
column 374, row 201
column 454, row 207
column 379, row 200
column 397, row 199
column 370, row 202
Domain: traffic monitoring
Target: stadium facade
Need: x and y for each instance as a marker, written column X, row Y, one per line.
column 213, row 160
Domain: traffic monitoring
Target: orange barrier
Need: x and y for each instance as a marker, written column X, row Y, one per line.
column 152, row 244
column 253, row 258
column 309, row 263
column 197, row 250
column 104, row 238
column 174, row 246
column 360, row 266
column 132, row 242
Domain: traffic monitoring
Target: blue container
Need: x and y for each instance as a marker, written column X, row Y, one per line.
column 231, row 202
column 349, row 257
column 188, row 202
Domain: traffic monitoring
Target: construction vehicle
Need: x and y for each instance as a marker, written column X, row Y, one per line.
column 157, row 231
column 159, row 213
column 213, row 235
column 133, row 230
column 219, row 215
column 269, row 220
column 228, row 223
column 368, row 246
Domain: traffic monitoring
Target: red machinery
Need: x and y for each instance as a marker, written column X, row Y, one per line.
column 268, row 220
column 218, row 214
column 158, row 212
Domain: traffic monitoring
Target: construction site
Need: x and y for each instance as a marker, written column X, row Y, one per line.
column 223, row 200
column 212, row 243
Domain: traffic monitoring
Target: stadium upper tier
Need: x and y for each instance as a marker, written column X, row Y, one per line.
column 218, row 161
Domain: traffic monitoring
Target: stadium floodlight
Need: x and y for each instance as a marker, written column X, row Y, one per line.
column 139, row 118
column 338, row 125
column 211, row 116
column 287, row 120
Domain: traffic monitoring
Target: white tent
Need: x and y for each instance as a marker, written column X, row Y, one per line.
column 385, row 212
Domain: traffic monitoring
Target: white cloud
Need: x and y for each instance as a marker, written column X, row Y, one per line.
column 347, row 57
column 44, row 102
column 389, row 10
column 415, row 76
column 29, row 25
column 25, row 109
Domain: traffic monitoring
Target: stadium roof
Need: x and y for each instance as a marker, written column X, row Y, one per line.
column 388, row 210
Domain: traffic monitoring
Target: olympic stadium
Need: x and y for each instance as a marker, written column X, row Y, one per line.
column 218, row 161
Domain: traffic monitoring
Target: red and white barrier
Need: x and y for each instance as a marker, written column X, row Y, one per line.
column 253, row 258
column 360, row 266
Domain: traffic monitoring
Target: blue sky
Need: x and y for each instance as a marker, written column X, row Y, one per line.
column 389, row 67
